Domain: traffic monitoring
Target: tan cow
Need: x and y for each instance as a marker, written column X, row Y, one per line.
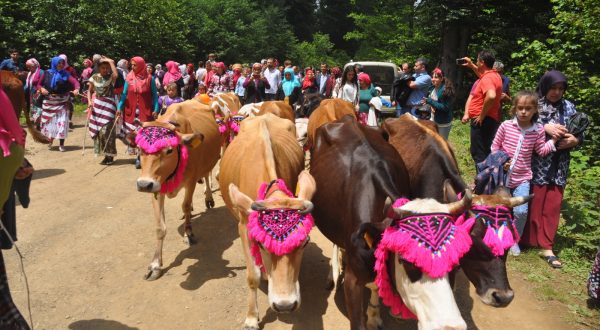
column 279, row 108
column 274, row 155
column 177, row 150
column 328, row 111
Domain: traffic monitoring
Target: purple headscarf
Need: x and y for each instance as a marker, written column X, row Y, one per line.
column 548, row 79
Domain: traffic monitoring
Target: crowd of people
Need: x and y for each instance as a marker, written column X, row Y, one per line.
column 531, row 149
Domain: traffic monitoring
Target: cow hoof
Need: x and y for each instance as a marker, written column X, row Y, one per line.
column 251, row 327
column 153, row 274
column 210, row 204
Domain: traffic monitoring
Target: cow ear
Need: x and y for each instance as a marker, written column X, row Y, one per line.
column 192, row 140
column 368, row 234
column 306, row 186
column 449, row 192
column 242, row 202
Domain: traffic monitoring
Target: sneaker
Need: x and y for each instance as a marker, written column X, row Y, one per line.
column 62, row 148
column 515, row 250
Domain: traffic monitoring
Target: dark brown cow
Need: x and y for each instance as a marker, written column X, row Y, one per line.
column 356, row 171
column 13, row 87
column 431, row 162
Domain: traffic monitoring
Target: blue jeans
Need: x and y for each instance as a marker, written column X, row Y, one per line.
column 520, row 212
column 402, row 110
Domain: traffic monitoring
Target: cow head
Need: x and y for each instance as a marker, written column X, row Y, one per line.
column 493, row 232
column 278, row 228
column 416, row 252
column 164, row 155
column 301, row 130
column 414, row 255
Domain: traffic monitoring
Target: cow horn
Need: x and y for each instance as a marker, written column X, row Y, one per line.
column 461, row 205
column 308, row 207
column 516, row 201
column 174, row 123
column 258, row 206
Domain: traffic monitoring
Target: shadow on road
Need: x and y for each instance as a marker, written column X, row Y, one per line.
column 313, row 282
column 99, row 324
column 214, row 230
column 47, row 172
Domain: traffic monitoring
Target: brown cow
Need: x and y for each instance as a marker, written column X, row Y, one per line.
column 178, row 149
column 280, row 109
column 328, row 111
column 13, row 87
column 275, row 155
column 430, row 162
column 356, row 171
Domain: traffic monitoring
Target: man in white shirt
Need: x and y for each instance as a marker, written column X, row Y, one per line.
column 273, row 76
column 200, row 73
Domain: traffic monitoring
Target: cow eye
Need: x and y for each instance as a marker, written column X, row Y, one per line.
column 169, row 151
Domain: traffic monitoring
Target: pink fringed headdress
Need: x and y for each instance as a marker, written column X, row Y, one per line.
column 432, row 242
column 501, row 233
column 279, row 231
column 153, row 139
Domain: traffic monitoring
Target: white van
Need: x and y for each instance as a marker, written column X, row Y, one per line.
column 382, row 75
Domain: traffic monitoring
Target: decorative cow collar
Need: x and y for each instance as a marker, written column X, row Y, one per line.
column 432, row 242
column 153, row 139
column 501, row 232
column 279, row 231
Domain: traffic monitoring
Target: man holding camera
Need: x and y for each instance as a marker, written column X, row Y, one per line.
column 482, row 109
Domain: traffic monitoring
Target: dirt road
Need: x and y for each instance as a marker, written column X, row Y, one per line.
column 88, row 237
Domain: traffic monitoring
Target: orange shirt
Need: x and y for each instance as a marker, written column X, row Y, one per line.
column 489, row 80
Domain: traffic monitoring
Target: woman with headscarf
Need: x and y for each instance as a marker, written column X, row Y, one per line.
column 12, row 150
column 255, row 85
column 103, row 111
column 550, row 172
column 189, row 90
column 84, row 79
column 309, row 85
column 173, row 74
column 139, row 101
column 289, row 87
column 71, row 70
column 336, row 74
column 237, row 73
column 365, row 94
column 159, row 74
column 56, row 86
column 31, row 91
column 220, row 81
column 123, row 65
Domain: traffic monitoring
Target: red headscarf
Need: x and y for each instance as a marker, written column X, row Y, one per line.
column 139, row 79
column 190, row 69
column 172, row 74
column 365, row 78
column 307, row 83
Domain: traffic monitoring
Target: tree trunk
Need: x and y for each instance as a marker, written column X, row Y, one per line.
column 455, row 43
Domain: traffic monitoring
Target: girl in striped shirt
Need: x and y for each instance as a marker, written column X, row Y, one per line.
column 519, row 138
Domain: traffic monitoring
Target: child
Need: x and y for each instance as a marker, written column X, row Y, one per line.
column 519, row 138
column 166, row 100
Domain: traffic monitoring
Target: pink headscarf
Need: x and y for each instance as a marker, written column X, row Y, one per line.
column 10, row 130
column 173, row 74
column 32, row 78
column 365, row 78
column 87, row 63
column 64, row 57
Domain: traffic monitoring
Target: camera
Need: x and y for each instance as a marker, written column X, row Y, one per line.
column 461, row 61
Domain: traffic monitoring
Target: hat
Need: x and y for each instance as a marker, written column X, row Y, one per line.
column 203, row 98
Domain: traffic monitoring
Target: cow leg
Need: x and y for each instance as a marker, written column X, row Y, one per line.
column 208, row 197
column 334, row 270
column 253, row 279
column 186, row 206
column 354, row 294
column 374, row 320
column 158, row 204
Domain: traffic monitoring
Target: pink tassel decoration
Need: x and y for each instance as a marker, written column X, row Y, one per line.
column 170, row 185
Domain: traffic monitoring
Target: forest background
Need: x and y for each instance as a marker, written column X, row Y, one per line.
column 528, row 36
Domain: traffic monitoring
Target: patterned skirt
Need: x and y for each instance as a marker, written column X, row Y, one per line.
column 594, row 279
column 103, row 112
column 55, row 116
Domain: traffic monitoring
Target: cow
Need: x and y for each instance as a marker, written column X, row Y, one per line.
column 356, row 171
column 328, row 111
column 278, row 160
column 279, row 108
column 434, row 173
column 13, row 87
column 308, row 103
column 177, row 150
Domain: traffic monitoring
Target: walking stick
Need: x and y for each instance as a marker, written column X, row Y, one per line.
column 85, row 133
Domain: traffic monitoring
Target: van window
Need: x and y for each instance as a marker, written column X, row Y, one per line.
column 382, row 76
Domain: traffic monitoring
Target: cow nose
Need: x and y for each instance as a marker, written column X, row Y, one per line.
column 144, row 185
column 503, row 297
column 285, row 307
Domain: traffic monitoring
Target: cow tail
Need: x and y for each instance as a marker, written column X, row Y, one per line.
column 33, row 131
